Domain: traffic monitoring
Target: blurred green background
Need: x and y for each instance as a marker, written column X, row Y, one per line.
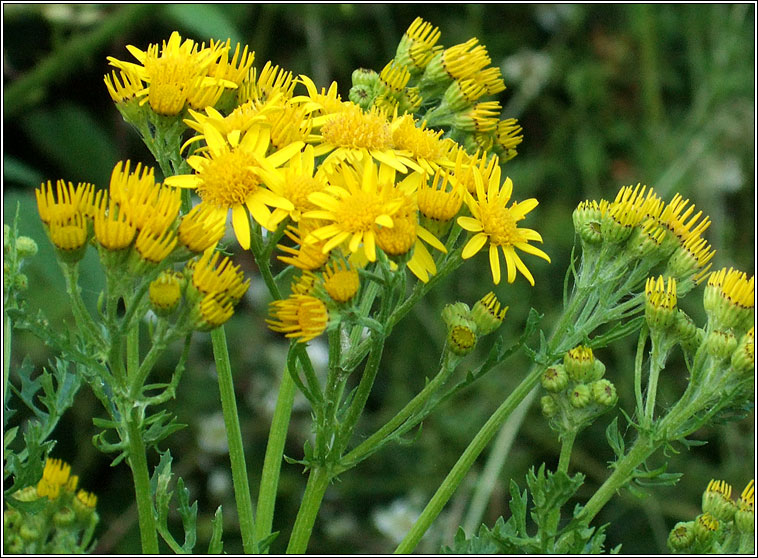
column 608, row 95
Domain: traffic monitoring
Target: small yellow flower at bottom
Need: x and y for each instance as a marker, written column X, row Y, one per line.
column 302, row 317
column 55, row 475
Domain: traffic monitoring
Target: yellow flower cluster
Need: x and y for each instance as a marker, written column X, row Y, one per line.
column 348, row 183
column 137, row 227
column 178, row 73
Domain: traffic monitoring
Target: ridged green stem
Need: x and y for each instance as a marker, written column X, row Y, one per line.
column 466, row 460
column 234, row 437
column 272, row 462
column 138, row 463
column 318, row 481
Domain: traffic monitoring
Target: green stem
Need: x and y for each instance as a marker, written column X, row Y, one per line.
column 138, row 463
column 467, row 458
column 638, row 370
column 378, row 438
column 622, row 472
column 318, row 481
column 272, row 462
column 361, row 393
column 81, row 315
column 567, row 445
column 132, row 351
column 7, row 333
column 234, row 437
column 501, row 449
column 657, row 362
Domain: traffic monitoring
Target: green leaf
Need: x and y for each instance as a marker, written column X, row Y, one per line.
column 550, row 492
column 216, row 545
column 188, row 513
column 615, row 439
column 518, row 508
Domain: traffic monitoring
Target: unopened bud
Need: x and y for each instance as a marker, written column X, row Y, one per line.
column 555, row 378
column 681, row 536
column 580, row 396
column 604, row 393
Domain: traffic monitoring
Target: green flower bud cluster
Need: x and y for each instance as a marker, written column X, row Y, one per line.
column 638, row 230
column 445, row 87
column 15, row 250
column 577, row 391
column 725, row 526
column 64, row 525
column 464, row 324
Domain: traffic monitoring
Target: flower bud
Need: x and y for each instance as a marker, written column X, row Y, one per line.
column 720, row 344
column 64, row 517
column 165, row 292
column 580, row 396
column 744, row 517
column 364, row 77
column 597, row 372
column 579, row 363
column 555, row 378
column 717, row 500
column 681, row 536
column 660, row 303
column 361, row 95
column 705, row 527
column 743, row 358
column 586, row 219
column 487, row 314
column 26, row 247
column 689, row 335
column 461, row 339
column 457, row 313
column 21, row 282
column 604, row 393
column 549, row 406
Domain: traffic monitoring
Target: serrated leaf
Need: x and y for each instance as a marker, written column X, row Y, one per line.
column 517, row 506
column 216, row 544
column 188, row 513
column 615, row 439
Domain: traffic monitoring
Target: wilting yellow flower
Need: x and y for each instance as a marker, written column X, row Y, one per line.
column 272, row 82
column 227, row 178
column 496, row 224
column 302, row 317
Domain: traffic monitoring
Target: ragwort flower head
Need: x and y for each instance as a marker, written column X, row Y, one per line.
column 495, row 223
column 355, row 205
column 228, row 177
column 175, row 73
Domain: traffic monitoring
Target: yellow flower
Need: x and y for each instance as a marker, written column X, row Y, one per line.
column 425, row 146
column 302, row 317
column 175, row 73
column 494, row 222
column 227, row 178
column 201, row 228
column 273, row 82
column 113, row 230
column 356, row 208
column 325, row 102
column 213, row 274
column 54, row 477
column 341, row 281
column 417, row 46
column 308, row 256
column 295, row 182
column 354, row 135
